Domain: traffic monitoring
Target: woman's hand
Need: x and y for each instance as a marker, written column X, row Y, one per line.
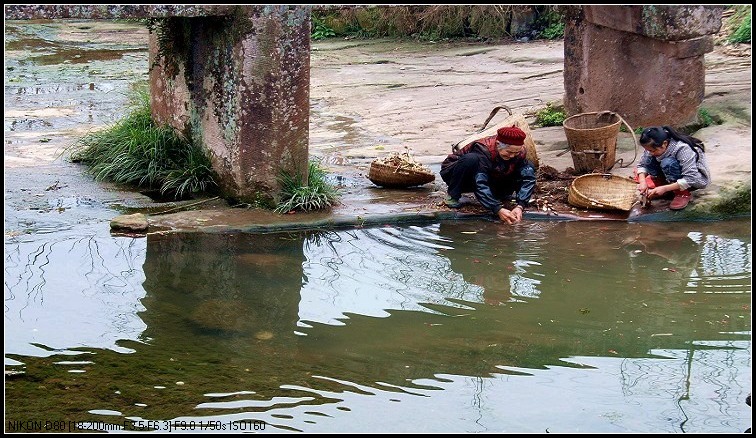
column 510, row 216
column 517, row 211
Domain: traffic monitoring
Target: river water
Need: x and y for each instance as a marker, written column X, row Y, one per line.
column 446, row 327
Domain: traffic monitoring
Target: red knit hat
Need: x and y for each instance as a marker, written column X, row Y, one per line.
column 511, row 135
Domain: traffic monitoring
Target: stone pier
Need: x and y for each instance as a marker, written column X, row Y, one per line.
column 236, row 78
column 240, row 84
column 644, row 62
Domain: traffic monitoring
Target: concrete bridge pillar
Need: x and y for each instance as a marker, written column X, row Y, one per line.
column 644, row 62
column 236, row 78
column 240, row 85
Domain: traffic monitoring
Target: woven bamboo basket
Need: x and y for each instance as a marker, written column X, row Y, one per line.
column 389, row 176
column 603, row 191
column 592, row 138
column 511, row 120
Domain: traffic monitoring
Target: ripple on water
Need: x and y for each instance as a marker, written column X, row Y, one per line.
column 229, row 394
column 259, row 404
column 104, row 412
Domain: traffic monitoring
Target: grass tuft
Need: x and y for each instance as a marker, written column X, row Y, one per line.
column 135, row 151
column 317, row 194
column 740, row 22
column 550, row 116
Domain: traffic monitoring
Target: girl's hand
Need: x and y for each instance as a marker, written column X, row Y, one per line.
column 657, row 192
column 642, row 187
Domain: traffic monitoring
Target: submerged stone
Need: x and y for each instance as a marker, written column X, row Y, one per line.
column 219, row 314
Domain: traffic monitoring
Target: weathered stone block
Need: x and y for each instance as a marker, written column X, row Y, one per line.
column 664, row 22
column 630, row 74
column 136, row 222
column 240, row 86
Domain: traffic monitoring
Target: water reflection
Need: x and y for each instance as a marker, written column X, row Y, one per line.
column 70, row 291
column 646, row 327
column 81, row 56
column 371, row 271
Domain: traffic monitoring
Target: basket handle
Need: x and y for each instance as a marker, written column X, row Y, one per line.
column 491, row 116
column 455, row 146
column 635, row 139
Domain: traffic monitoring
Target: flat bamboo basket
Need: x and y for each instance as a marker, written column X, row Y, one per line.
column 391, row 176
column 603, row 191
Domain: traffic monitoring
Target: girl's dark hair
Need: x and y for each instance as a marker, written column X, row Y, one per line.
column 656, row 135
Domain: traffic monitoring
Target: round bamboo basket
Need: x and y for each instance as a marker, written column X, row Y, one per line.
column 388, row 176
column 592, row 138
column 603, row 191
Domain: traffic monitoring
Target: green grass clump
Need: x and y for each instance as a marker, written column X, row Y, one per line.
column 320, row 30
column 637, row 131
column 741, row 22
column 705, row 117
column 317, row 194
column 136, row 151
column 550, row 116
column 550, row 24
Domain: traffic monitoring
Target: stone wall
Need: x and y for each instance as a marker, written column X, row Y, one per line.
column 96, row 12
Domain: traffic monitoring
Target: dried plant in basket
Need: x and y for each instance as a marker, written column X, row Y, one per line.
column 399, row 170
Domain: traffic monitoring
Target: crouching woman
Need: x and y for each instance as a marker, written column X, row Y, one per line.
column 496, row 170
column 672, row 165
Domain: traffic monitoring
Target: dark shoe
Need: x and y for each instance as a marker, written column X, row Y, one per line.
column 452, row 203
column 681, row 200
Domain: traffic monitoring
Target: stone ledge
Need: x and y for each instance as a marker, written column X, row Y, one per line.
column 36, row 12
column 684, row 49
column 667, row 23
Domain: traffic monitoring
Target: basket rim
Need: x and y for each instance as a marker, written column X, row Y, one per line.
column 575, row 116
column 605, row 176
column 401, row 169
